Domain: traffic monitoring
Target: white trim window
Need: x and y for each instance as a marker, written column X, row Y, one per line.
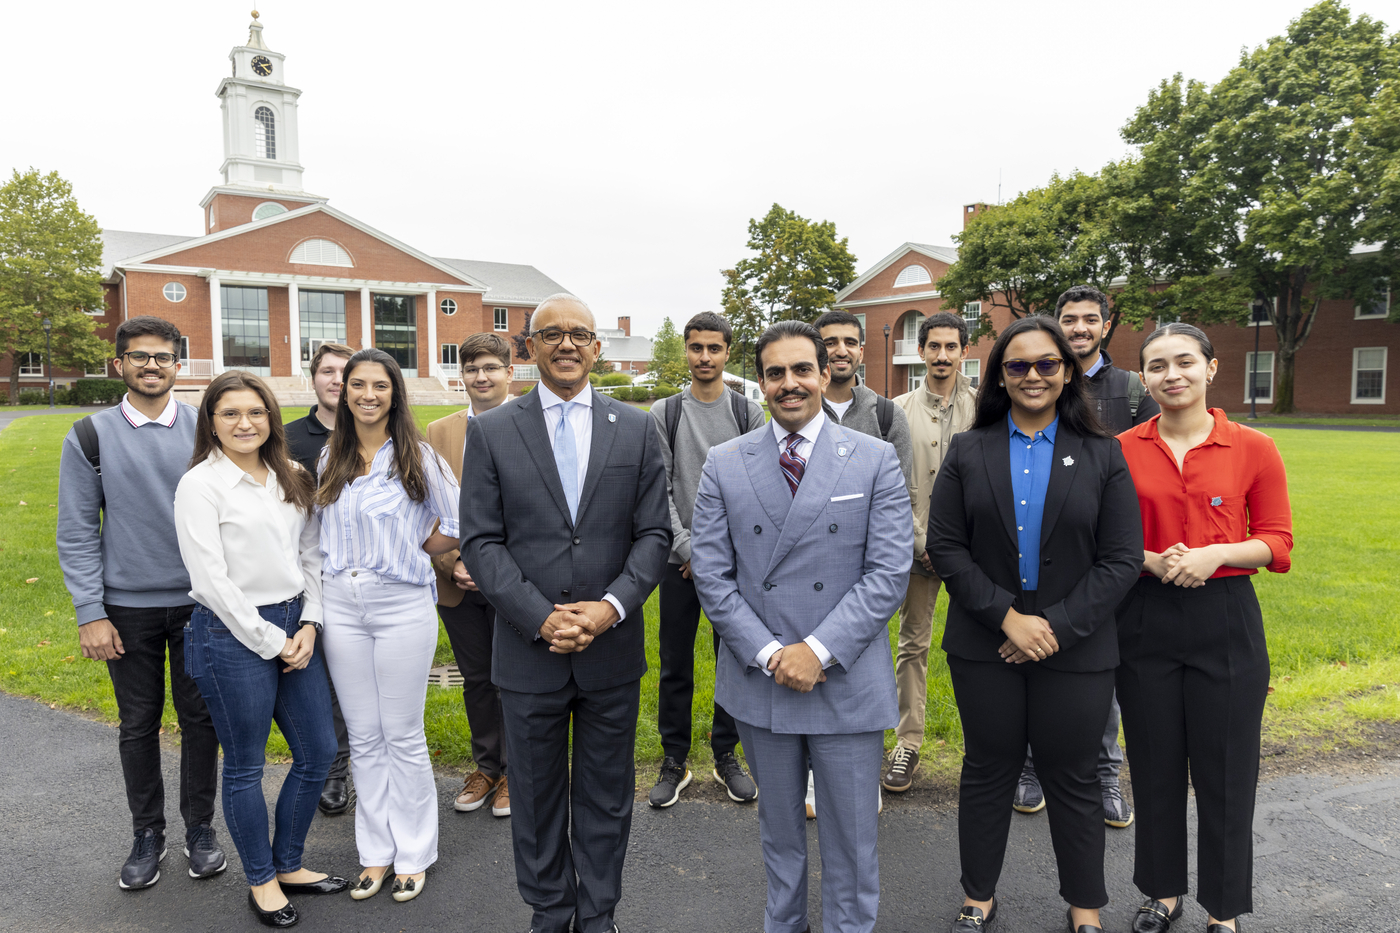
column 184, row 350
column 448, row 306
column 31, row 364
column 918, row 372
column 265, row 210
column 265, row 133
column 1378, row 308
column 174, row 291
column 1368, row 375
column 501, row 318
column 95, row 312
column 972, row 313
column 1262, row 317
column 319, row 252
column 972, row 369
column 914, row 274
column 1263, row 379
column 99, row 373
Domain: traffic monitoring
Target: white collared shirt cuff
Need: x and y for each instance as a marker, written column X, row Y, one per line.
column 819, row 649
column 621, row 613
column 765, row 653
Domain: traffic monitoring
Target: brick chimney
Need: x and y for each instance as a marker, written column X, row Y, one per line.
column 972, row 210
column 624, row 324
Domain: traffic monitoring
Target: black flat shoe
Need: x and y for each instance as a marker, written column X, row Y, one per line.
column 1153, row 916
column 1083, row 927
column 285, row 916
column 327, row 885
column 971, row 920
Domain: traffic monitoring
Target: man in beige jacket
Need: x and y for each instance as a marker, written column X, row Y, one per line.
column 944, row 405
column 469, row 619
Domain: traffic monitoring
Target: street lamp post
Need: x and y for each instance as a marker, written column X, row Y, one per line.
column 887, row 361
column 1256, row 308
column 48, row 356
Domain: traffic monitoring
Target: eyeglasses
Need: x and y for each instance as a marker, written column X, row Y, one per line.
column 141, row 357
column 232, row 416
column 491, row 370
column 553, row 338
column 1017, row 369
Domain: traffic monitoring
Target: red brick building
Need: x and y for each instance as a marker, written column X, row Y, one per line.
column 277, row 270
column 1342, row 370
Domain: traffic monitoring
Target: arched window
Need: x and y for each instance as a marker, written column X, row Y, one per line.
column 321, row 253
column 449, row 307
column 265, row 133
column 912, row 275
column 268, row 209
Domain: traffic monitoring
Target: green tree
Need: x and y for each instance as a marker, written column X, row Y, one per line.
column 747, row 320
column 1278, row 174
column 668, row 356
column 601, row 366
column 797, row 268
column 50, row 261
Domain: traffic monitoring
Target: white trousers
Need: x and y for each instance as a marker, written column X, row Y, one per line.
column 379, row 641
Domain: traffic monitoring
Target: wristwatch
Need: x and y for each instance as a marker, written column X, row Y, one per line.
column 319, row 628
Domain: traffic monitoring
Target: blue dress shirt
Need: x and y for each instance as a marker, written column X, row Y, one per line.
column 1031, row 462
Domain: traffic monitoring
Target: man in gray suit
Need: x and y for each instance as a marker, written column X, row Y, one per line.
column 566, row 531
column 800, row 549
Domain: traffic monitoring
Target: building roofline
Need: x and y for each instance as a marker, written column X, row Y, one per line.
column 922, row 249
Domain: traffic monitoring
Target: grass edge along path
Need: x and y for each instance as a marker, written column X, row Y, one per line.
column 1334, row 641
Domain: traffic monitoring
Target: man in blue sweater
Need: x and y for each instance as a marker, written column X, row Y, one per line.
column 131, row 593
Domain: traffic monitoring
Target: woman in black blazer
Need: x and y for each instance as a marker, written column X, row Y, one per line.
column 1034, row 529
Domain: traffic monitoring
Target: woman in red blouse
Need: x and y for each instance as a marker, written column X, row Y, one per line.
column 1194, row 667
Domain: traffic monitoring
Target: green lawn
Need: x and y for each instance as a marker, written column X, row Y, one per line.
column 1334, row 634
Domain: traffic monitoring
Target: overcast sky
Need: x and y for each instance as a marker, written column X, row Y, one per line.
column 621, row 148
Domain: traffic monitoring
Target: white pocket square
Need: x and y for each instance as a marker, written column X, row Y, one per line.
column 854, row 495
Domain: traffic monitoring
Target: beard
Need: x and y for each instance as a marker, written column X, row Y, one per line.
column 134, row 384
column 1089, row 350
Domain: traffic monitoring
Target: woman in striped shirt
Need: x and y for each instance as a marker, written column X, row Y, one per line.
column 383, row 490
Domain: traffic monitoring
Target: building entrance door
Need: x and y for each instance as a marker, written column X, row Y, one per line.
column 396, row 330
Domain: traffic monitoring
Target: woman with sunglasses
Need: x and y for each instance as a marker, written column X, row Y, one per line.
column 1032, row 528
column 387, row 503
column 1195, row 673
column 252, row 546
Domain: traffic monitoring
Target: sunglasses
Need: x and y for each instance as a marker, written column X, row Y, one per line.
column 1018, row 369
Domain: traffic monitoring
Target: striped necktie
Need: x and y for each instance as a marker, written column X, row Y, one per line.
column 792, row 465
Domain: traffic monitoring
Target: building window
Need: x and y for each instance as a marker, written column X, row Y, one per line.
column 99, row 373
column 972, row 313
column 861, row 319
column 917, row 373
column 1368, row 376
column 321, row 253
column 396, row 330
column 173, row 291
column 1258, row 316
column 860, row 373
column 448, row 306
column 31, row 364
column 1263, row 377
column 267, row 209
column 1379, row 306
column 245, row 332
column 184, row 349
column 449, row 355
column 502, row 317
column 322, row 320
column 95, row 312
column 265, row 133
column 912, row 275
column 972, row 369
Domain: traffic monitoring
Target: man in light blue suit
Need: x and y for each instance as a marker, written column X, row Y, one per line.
column 799, row 550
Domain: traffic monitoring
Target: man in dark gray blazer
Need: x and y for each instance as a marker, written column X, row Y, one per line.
column 566, row 531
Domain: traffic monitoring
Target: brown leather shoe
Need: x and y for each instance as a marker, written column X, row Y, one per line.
column 476, row 790
column 501, row 805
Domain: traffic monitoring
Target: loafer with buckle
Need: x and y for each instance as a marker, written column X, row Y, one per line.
column 284, row 916
column 1083, row 927
column 327, row 885
column 1153, row 916
column 142, row 868
column 369, row 887
column 406, row 889
column 972, row 920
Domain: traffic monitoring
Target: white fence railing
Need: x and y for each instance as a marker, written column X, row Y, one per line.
column 525, row 372
column 196, row 369
column 906, row 348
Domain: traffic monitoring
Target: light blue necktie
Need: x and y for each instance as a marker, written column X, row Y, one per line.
column 566, row 459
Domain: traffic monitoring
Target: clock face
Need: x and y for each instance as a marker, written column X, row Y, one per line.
column 262, row 65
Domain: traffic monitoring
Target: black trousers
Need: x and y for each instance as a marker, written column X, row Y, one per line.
column 1061, row 714
column 138, row 681
column 678, row 623
column 1193, row 680
column 570, row 827
column 470, row 626
column 341, row 766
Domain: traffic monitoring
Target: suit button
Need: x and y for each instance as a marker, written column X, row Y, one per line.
column 563, row 592
column 767, row 586
column 578, row 540
column 1047, row 561
column 758, row 529
column 816, row 586
column 832, row 528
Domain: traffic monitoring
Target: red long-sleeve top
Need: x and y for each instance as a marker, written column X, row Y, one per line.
column 1230, row 488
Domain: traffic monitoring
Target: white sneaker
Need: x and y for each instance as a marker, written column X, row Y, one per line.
column 811, row 796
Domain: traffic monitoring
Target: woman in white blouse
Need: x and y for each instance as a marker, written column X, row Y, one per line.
column 383, row 489
column 251, row 544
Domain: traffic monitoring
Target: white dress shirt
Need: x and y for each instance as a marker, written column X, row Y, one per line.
column 244, row 547
column 581, row 420
column 165, row 419
column 809, row 434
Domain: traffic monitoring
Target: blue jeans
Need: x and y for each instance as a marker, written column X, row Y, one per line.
column 245, row 694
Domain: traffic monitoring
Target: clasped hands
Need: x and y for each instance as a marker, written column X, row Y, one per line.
column 572, row 627
column 1028, row 638
column 296, row 653
column 1182, row 565
column 797, row 667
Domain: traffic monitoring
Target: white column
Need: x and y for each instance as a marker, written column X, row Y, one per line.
column 294, row 327
column 216, row 323
column 433, row 351
column 366, row 320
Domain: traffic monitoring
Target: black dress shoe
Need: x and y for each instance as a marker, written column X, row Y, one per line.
column 1083, row 927
column 1222, row 928
column 206, row 858
column 284, row 916
column 1153, row 916
column 337, row 796
column 971, row 919
column 327, row 885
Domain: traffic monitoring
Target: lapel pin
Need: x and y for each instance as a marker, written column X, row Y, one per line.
column 612, row 417
column 840, row 451
column 1216, row 501
column 1069, row 461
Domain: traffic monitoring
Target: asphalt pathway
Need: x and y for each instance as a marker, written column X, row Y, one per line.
column 1328, row 858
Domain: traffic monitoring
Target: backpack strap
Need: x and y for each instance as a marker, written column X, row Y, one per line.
column 673, row 419
column 87, row 440
column 740, row 406
column 884, row 413
column 1135, row 393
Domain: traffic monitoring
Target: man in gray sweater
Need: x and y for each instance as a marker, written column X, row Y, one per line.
column 121, row 564
column 852, row 404
column 705, row 414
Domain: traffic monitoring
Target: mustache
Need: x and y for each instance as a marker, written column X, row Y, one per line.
column 792, row 393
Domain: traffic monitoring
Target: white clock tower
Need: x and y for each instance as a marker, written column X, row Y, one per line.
column 260, row 119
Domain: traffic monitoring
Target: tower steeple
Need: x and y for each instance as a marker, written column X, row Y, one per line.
column 260, row 118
